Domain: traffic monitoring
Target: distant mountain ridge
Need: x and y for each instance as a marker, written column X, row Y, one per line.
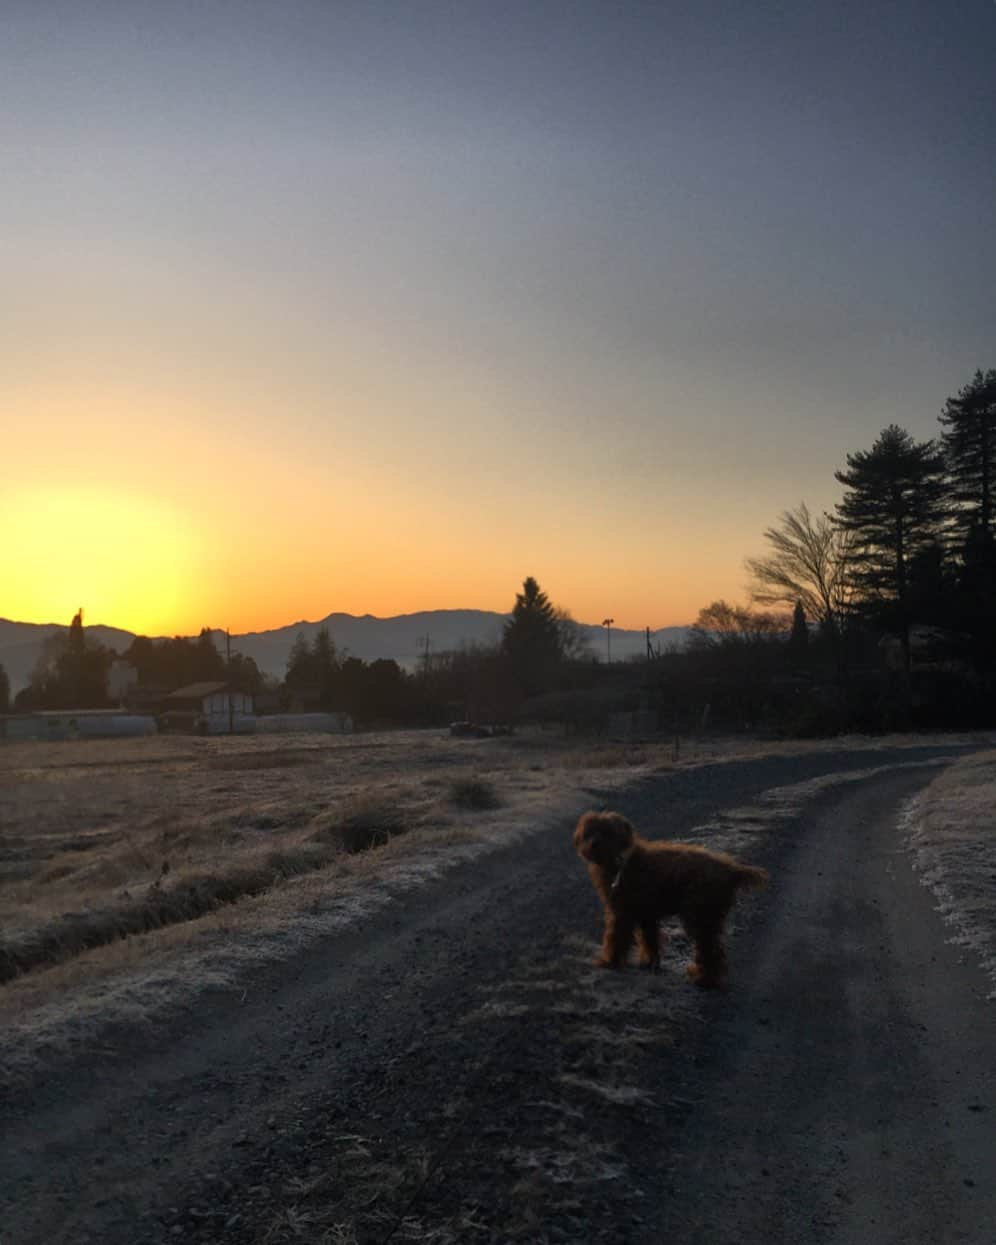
column 401, row 638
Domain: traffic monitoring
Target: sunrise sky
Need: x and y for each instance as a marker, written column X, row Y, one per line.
column 380, row 307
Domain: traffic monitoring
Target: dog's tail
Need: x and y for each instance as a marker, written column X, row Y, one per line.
column 749, row 876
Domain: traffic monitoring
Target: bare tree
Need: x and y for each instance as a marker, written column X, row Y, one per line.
column 808, row 563
column 574, row 645
column 721, row 625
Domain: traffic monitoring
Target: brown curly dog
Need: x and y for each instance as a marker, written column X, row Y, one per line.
column 640, row 882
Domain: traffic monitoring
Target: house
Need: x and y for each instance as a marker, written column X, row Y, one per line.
column 121, row 678
column 209, row 709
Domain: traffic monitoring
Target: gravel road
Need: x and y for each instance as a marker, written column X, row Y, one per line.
column 456, row 1070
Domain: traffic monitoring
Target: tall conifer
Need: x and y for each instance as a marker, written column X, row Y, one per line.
column 968, row 440
column 893, row 509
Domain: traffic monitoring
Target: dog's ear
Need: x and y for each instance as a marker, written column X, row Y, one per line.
column 586, row 824
column 588, row 833
column 618, row 830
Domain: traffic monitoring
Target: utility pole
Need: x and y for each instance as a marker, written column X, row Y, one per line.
column 228, row 679
column 607, row 624
column 424, row 642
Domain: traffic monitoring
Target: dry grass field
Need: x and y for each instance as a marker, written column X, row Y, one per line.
column 117, row 854
column 134, row 873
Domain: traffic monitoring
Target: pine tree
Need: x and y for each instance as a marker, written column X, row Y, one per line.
column 326, row 667
column 299, row 662
column 968, row 441
column 799, row 639
column 893, row 509
column 207, row 663
column 71, row 672
column 531, row 639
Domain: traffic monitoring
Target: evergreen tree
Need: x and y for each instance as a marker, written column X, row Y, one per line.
column 316, row 667
column 893, row 509
column 933, row 589
column 208, row 665
column 172, row 663
column 77, row 641
column 326, row 667
column 531, row 638
column 299, row 662
column 71, row 672
column 242, row 672
column 799, row 638
column 975, row 599
column 968, row 441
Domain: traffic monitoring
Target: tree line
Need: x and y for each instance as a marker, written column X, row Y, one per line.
column 899, row 582
column 73, row 667
column 910, row 547
column 911, row 541
column 538, row 643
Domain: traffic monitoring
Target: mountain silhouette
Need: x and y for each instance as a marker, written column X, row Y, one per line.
column 401, row 638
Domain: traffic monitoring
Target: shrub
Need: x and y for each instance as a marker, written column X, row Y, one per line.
column 474, row 793
column 362, row 825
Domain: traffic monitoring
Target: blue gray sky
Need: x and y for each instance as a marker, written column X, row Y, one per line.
column 383, row 307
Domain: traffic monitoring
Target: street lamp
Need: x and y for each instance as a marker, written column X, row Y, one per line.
column 607, row 624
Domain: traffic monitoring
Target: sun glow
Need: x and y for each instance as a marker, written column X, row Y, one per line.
column 128, row 560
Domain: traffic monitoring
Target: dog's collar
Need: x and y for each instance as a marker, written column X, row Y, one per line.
column 623, row 861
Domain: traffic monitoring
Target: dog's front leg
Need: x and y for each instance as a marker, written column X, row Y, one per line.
column 648, row 937
column 617, row 940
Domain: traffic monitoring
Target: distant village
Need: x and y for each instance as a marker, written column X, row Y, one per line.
column 80, row 687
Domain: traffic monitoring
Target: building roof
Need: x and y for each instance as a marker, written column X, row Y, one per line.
column 196, row 691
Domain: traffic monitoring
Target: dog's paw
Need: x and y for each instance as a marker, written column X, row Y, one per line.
column 695, row 974
column 602, row 962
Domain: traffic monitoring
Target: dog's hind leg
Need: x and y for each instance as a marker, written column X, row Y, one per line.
column 648, row 937
column 617, row 940
column 709, row 965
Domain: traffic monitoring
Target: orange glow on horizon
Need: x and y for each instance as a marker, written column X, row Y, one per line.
column 141, row 564
column 126, row 559
column 213, row 529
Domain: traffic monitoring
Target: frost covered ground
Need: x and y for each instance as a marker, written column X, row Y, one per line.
column 344, row 1054
column 234, row 848
column 951, row 828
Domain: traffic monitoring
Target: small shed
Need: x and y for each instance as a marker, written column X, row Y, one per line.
column 209, row 708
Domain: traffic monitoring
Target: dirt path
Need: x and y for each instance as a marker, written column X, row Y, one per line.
column 849, row 1093
column 457, row 1071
